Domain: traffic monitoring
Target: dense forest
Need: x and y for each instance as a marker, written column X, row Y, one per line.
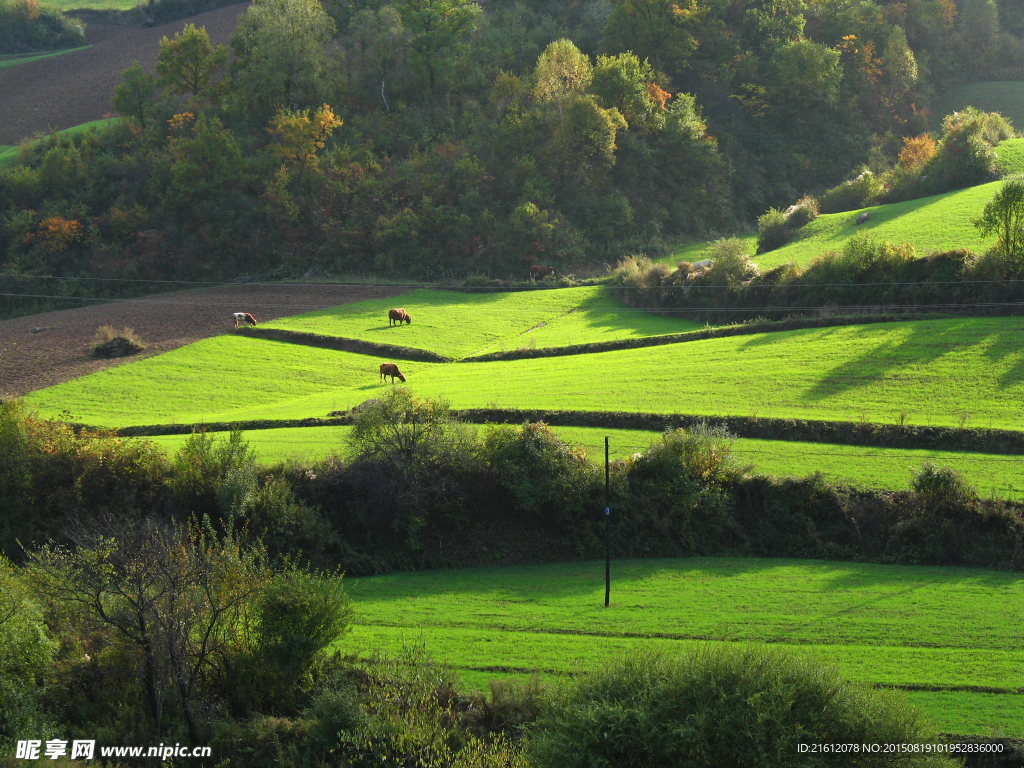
column 441, row 139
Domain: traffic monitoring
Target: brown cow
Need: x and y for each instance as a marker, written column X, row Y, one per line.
column 390, row 369
column 396, row 316
column 537, row 272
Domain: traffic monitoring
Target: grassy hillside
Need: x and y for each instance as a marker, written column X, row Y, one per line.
column 1006, row 98
column 937, row 223
column 937, row 372
column 457, row 324
column 994, row 475
column 905, row 626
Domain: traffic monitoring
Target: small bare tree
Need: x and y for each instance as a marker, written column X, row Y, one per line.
column 173, row 594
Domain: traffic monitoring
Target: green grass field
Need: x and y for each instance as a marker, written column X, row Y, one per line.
column 935, row 372
column 13, row 62
column 994, row 475
column 1006, row 98
column 901, row 626
column 1011, row 155
column 456, row 324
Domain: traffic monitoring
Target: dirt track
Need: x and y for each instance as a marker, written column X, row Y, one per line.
column 58, row 348
column 64, row 91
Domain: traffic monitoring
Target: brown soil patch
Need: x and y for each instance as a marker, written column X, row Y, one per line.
column 41, row 350
column 64, row 91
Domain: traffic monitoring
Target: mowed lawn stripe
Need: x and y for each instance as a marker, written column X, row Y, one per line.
column 935, row 372
column 889, row 468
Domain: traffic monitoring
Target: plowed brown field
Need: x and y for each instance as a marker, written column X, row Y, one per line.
column 64, row 91
column 42, row 350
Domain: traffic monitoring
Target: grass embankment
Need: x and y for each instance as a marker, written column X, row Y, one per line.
column 1006, row 98
column 994, row 475
column 934, row 372
column 15, row 61
column 942, row 628
column 456, row 324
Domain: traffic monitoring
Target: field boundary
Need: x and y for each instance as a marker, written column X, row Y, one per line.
column 358, row 346
column 343, row 344
column 865, row 434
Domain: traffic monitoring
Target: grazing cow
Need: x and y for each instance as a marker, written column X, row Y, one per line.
column 244, row 318
column 396, row 316
column 390, row 369
column 537, row 272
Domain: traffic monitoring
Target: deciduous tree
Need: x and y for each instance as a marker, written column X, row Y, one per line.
column 188, row 63
column 136, row 95
column 1003, row 216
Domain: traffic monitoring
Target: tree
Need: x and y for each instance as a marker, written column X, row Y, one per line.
column 656, row 30
column 563, row 74
column 175, row 596
column 188, row 63
column 136, row 95
column 583, row 146
column 1003, row 216
column 279, row 50
column 382, row 41
column 436, row 29
column 629, row 85
column 804, row 75
column 899, row 67
column 979, row 22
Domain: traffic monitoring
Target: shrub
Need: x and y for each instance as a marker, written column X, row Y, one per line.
column 772, row 232
column 689, row 710
column 941, row 486
column 966, row 154
column 732, row 264
column 863, row 259
column 110, row 342
column 802, row 212
column 539, row 470
column 639, row 272
column 215, row 477
column 26, row 26
column 861, row 191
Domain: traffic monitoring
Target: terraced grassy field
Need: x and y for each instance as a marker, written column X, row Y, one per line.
column 943, row 628
column 994, row 475
column 938, row 372
column 456, row 324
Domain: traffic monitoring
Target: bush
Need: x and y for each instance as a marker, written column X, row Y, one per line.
column 539, row 470
column 721, row 705
column 639, row 272
column 26, row 26
column 215, row 477
column 802, row 212
column 941, row 486
column 731, row 262
column 863, row 259
column 966, row 153
column 110, row 342
column 772, row 231
column 859, row 192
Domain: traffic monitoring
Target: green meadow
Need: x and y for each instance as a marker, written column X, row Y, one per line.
column 965, row 371
column 15, row 61
column 943, row 628
column 456, row 324
column 993, row 475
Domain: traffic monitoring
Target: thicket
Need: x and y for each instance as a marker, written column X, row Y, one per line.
column 27, row 26
column 555, row 133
